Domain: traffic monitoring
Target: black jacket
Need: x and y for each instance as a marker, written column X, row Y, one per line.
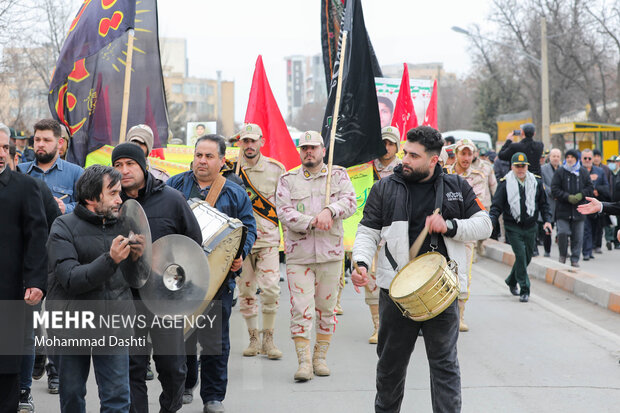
column 80, row 265
column 23, row 232
column 501, row 206
column 531, row 148
column 167, row 210
column 565, row 183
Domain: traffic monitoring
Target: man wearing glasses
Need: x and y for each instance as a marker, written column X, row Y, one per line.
column 520, row 197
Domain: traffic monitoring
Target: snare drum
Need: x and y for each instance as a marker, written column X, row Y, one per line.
column 425, row 287
column 222, row 240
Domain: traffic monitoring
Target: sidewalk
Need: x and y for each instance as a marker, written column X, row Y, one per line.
column 586, row 284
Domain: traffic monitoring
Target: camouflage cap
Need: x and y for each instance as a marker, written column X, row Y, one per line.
column 519, row 158
column 465, row 143
column 251, row 131
column 392, row 134
column 310, row 138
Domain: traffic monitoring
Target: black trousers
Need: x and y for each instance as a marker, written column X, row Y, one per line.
column 9, row 393
column 169, row 358
column 397, row 338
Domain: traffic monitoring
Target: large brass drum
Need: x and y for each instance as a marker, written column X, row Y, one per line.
column 425, row 287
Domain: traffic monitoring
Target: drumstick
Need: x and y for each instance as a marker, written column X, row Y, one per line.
column 63, row 197
column 359, row 272
column 417, row 244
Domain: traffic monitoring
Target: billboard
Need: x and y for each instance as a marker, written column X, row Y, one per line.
column 195, row 130
column 387, row 92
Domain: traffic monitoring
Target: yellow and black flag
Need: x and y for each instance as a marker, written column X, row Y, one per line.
column 86, row 90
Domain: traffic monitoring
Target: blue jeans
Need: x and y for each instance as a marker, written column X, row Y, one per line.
column 25, row 376
column 214, row 368
column 111, row 372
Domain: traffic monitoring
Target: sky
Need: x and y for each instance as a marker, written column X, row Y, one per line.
column 229, row 35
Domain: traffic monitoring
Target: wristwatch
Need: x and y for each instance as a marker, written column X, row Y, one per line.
column 451, row 225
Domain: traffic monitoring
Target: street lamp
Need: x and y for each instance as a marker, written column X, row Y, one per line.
column 543, row 66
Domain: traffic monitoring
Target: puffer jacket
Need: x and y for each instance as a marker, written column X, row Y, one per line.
column 80, row 268
column 565, row 183
column 386, row 219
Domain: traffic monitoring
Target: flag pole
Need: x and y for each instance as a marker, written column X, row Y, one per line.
column 127, row 87
column 332, row 137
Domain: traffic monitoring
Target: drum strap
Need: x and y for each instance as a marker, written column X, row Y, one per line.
column 438, row 205
column 215, row 190
column 260, row 203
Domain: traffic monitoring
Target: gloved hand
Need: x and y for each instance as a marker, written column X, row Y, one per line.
column 572, row 199
column 579, row 196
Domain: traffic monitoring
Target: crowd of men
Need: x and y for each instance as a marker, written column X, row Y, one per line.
column 62, row 245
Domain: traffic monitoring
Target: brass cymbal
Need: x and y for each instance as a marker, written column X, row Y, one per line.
column 135, row 226
column 179, row 277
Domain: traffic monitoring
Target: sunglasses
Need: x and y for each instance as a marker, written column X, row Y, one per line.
column 587, row 159
column 519, row 166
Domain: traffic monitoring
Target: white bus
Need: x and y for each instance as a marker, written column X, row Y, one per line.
column 481, row 139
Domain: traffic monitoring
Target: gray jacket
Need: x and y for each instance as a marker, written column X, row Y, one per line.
column 547, row 173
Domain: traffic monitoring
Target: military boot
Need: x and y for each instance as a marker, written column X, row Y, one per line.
column 254, row 347
column 318, row 358
column 374, row 312
column 269, row 348
column 304, row 371
column 462, row 325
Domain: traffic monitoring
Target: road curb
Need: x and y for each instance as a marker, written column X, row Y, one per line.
column 595, row 289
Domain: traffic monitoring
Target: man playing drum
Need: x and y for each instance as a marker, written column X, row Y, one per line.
column 382, row 168
column 396, row 212
column 205, row 182
column 465, row 151
column 261, row 268
column 314, row 249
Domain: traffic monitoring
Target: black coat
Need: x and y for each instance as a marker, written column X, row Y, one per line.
column 23, row 232
column 565, row 183
column 531, row 148
column 501, row 206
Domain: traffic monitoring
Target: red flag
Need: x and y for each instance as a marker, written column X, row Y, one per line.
column 263, row 111
column 430, row 117
column 404, row 113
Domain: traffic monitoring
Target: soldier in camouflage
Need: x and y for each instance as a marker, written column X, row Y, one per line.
column 314, row 249
column 261, row 269
column 465, row 150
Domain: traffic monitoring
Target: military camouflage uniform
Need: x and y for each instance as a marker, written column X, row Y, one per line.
column 313, row 257
column 261, row 268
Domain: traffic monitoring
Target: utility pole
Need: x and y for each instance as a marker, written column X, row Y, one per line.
column 544, row 79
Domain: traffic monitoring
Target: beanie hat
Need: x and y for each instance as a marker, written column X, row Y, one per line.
column 141, row 133
column 572, row 152
column 131, row 151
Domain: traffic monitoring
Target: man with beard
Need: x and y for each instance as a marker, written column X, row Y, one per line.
column 59, row 175
column 484, row 188
column 85, row 256
column 167, row 213
column 397, row 209
column 232, row 200
column 261, row 269
column 314, row 249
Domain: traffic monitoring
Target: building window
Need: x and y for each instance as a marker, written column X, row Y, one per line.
column 177, row 88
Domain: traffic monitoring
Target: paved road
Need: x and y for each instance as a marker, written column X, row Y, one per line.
column 557, row 353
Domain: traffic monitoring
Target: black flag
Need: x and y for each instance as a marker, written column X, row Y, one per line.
column 358, row 134
column 332, row 13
